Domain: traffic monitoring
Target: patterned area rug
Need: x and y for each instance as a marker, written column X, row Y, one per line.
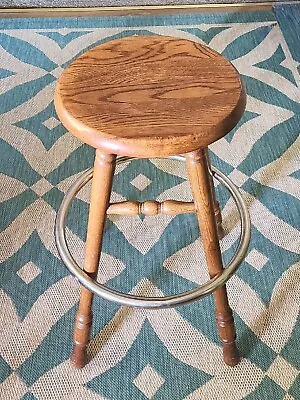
column 140, row 354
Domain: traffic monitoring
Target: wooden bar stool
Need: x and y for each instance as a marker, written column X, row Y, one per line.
column 151, row 96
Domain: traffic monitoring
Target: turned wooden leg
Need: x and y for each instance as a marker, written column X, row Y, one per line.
column 198, row 172
column 217, row 211
column 104, row 168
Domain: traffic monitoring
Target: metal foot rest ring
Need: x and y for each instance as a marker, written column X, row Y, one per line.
column 152, row 302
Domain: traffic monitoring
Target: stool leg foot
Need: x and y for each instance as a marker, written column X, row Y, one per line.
column 200, row 181
column 78, row 357
column 226, row 328
column 82, row 329
column 104, row 168
column 231, row 354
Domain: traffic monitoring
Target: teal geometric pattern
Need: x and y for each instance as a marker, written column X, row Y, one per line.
column 141, row 354
column 4, row 73
column 276, row 64
column 45, row 126
column 63, row 39
column 159, row 359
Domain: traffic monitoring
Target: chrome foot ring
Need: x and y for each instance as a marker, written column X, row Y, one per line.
column 152, row 302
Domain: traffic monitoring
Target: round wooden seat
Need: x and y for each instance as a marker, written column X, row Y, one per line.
column 150, row 96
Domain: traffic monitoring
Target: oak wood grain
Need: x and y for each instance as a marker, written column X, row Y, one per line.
column 198, row 171
column 104, row 168
column 150, row 96
column 217, row 210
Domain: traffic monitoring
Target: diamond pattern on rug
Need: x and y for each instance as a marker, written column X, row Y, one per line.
column 45, row 126
column 41, row 187
column 51, row 123
column 167, row 369
column 28, row 272
column 256, row 259
column 148, row 381
column 141, row 182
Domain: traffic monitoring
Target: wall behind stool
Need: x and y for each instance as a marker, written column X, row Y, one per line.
column 103, row 3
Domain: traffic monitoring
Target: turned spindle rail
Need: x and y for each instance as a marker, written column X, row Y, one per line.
column 151, row 207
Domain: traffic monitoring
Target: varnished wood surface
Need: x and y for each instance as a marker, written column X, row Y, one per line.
column 167, row 207
column 151, row 207
column 150, row 96
column 198, row 172
column 104, row 168
column 218, row 215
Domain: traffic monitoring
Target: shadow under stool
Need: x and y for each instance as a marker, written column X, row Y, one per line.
column 152, row 97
